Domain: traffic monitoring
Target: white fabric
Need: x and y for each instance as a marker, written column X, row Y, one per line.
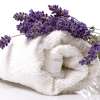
column 38, row 63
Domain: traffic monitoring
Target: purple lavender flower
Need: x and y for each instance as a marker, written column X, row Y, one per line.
column 32, row 24
column 58, row 10
column 20, row 16
column 95, row 47
column 23, row 27
column 4, row 41
column 34, row 30
column 49, row 25
column 88, row 59
column 38, row 15
column 92, row 54
column 61, row 24
column 78, row 29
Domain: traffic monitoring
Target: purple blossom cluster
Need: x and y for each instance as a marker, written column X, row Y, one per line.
column 20, row 16
column 37, row 23
column 4, row 41
column 58, row 11
column 92, row 54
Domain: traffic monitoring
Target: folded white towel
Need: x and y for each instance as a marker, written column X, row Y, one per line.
column 38, row 63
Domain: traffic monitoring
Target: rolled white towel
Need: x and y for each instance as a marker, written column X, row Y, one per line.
column 38, row 63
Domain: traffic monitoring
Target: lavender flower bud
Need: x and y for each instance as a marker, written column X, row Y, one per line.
column 4, row 41
column 20, row 16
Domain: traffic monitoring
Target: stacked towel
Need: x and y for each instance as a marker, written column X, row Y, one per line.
column 48, row 64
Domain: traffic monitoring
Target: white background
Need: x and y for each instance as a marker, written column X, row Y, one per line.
column 87, row 11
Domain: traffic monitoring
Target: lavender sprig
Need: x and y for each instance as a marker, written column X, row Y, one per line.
column 4, row 41
column 92, row 54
